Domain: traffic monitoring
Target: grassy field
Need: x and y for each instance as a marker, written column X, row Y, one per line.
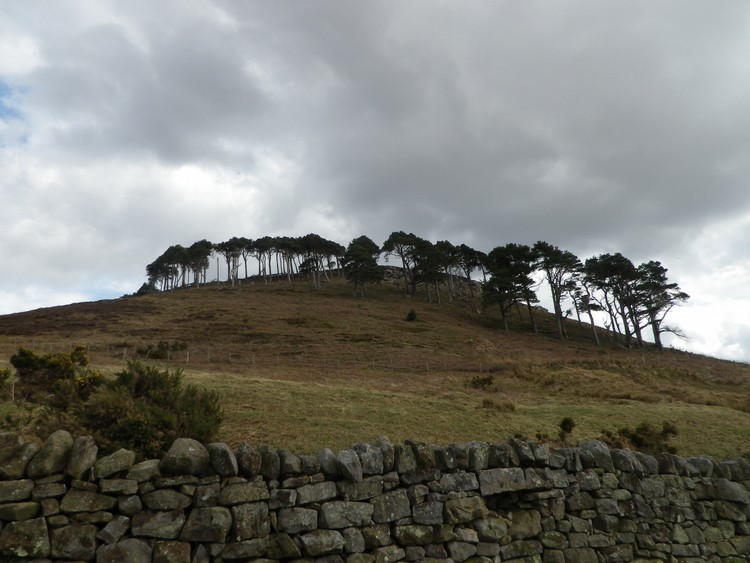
column 304, row 370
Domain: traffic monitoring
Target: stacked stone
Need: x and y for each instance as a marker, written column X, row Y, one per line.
column 515, row 501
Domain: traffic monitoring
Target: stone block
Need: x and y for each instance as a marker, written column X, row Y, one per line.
column 501, row 480
column 344, row 514
column 28, row 538
column 251, row 520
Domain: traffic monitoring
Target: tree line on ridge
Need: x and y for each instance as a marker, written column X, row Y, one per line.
column 631, row 298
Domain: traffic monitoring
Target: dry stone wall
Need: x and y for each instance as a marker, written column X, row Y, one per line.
column 515, row 501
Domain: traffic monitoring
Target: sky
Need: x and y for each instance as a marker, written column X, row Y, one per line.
column 599, row 126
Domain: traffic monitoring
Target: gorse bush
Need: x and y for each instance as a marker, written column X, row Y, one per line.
column 6, row 384
column 644, row 438
column 57, row 380
column 143, row 408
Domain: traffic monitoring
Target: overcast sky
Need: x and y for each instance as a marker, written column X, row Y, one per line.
column 598, row 126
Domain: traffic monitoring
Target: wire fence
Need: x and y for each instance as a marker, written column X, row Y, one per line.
column 211, row 356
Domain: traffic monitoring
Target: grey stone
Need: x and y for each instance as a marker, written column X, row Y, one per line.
column 388, row 452
column 404, row 459
column 296, row 520
column 248, row 550
column 282, row 546
column 729, row 490
column 82, row 457
column 248, row 459
column 48, row 490
column 114, row 530
column 210, row 524
column 391, row 506
column 282, row 498
column 270, row 463
column 238, row 493
column 371, row 459
column 523, row 451
column 376, row 536
column 423, row 453
column 355, row 542
column 491, row 528
column 118, row 462
column 368, row 488
column 461, row 481
column 77, row 541
column 129, row 505
column 118, row 486
column 289, row 464
column 131, row 550
column 344, row 514
column 329, row 463
column 144, row 471
column 522, row 548
column 52, row 457
column 171, row 552
column 319, row 492
column 479, row 455
column 162, row 525
column 322, row 542
column 625, row 460
column 13, row 491
column 310, row 464
column 185, row 457
column 251, row 520
column 502, row 480
column 413, row 534
column 86, row 501
column 430, row 513
column 503, row 455
column 461, row 551
column 222, row 459
column 165, row 500
column 15, row 454
column 349, row 465
column 598, row 453
column 19, row 511
column 525, row 524
column 28, row 538
column 461, row 510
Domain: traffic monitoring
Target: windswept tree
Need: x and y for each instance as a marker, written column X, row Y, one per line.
column 657, row 296
column 199, row 254
column 427, row 267
column 615, row 276
column 559, row 268
column 403, row 245
column 510, row 282
column 231, row 250
column 360, row 263
column 317, row 252
column 469, row 260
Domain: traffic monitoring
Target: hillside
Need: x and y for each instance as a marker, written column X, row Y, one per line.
column 303, row 370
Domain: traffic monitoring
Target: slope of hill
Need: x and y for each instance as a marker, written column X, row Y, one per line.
column 304, row 370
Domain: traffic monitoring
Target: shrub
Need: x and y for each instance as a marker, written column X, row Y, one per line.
column 6, row 384
column 479, row 382
column 411, row 316
column 145, row 409
column 567, row 425
column 644, row 438
column 56, row 380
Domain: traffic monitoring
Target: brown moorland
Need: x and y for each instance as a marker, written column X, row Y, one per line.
column 303, row 369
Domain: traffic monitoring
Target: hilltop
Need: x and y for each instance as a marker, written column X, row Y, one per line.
column 304, row 369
